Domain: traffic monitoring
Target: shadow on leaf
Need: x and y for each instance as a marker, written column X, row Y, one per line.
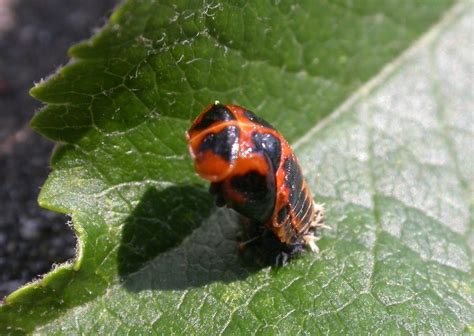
column 177, row 239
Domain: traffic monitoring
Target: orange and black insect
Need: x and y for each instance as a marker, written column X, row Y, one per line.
column 253, row 170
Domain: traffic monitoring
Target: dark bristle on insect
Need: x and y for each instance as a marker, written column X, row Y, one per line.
column 253, row 170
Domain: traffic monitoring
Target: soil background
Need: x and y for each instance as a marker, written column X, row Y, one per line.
column 34, row 38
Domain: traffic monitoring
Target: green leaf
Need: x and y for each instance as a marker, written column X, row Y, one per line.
column 393, row 163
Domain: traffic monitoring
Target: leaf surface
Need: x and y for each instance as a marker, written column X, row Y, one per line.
column 394, row 165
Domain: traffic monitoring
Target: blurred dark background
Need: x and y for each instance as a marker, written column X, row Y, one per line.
column 34, row 38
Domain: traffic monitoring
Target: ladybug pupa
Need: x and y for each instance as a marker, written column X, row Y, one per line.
column 253, row 170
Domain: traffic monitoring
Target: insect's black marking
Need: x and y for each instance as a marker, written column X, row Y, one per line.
column 307, row 217
column 225, row 143
column 304, row 208
column 289, row 230
column 259, row 193
column 215, row 114
column 301, row 205
column 250, row 184
column 270, row 145
column 257, row 120
column 215, row 189
column 293, row 180
column 282, row 214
